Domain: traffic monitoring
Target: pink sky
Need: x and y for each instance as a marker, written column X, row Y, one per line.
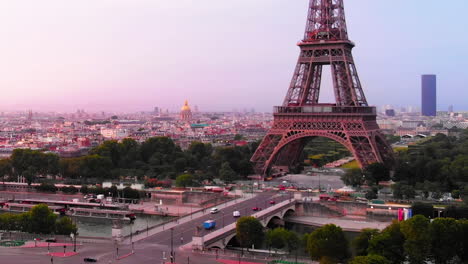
column 132, row 55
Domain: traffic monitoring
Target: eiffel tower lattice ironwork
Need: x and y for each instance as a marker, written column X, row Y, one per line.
column 349, row 121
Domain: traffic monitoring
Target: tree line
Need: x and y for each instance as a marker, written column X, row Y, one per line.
column 416, row 241
column 156, row 158
column 39, row 220
column 432, row 167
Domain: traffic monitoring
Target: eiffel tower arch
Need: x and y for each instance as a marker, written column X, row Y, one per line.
column 349, row 121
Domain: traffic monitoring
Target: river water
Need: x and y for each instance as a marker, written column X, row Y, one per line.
column 97, row 227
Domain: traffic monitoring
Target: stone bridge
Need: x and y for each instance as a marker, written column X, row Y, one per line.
column 221, row 238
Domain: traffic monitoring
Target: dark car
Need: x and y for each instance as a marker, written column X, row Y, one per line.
column 51, row 240
column 90, row 260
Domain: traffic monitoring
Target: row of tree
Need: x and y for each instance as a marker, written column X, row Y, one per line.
column 416, row 241
column 156, row 158
column 39, row 220
column 437, row 165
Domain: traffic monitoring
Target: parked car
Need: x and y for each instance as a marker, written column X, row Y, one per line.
column 214, row 210
column 90, row 260
column 51, row 240
column 236, row 214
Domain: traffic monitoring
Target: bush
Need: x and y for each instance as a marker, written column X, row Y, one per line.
column 46, row 187
column 69, row 189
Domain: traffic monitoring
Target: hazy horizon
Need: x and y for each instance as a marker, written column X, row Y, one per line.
column 122, row 55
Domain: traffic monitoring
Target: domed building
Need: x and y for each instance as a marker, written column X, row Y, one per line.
column 186, row 112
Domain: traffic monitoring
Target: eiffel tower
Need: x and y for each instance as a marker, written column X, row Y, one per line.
column 349, row 120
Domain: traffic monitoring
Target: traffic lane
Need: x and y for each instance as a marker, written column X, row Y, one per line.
column 187, row 230
column 183, row 233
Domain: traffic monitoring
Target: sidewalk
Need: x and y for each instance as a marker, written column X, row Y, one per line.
column 173, row 223
column 31, row 244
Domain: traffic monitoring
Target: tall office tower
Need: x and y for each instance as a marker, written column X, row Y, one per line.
column 428, row 92
column 450, row 108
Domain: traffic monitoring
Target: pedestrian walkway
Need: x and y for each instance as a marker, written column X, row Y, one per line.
column 31, row 244
column 228, row 261
column 62, row 255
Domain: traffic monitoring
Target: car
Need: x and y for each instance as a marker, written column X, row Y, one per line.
column 256, row 208
column 90, row 260
column 214, row 210
column 236, row 214
column 209, row 224
column 51, row 240
column 272, row 202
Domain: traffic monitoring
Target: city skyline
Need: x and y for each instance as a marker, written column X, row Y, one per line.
column 128, row 56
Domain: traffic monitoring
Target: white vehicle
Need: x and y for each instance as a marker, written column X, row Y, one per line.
column 214, row 210
column 236, row 214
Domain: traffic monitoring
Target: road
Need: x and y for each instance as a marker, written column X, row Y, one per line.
column 152, row 249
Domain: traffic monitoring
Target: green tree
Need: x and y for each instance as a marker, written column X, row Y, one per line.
column 42, row 219
column 249, row 231
column 463, row 240
column 360, row 244
column 443, row 234
column 376, row 172
column 389, row 243
column 353, row 177
column 184, row 180
column 276, row 238
column 65, row 226
column 416, row 232
column 226, row 173
column 5, row 168
column 328, row 241
column 370, row 259
column 292, row 241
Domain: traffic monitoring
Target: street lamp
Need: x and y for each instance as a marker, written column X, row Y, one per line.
column 223, row 219
column 172, row 245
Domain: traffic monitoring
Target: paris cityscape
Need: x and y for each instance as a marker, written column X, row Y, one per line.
column 226, row 132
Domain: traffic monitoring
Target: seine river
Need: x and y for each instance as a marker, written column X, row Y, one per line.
column 99, row 227
column 96, row 227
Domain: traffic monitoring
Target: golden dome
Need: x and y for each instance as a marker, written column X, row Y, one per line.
column 186, row 107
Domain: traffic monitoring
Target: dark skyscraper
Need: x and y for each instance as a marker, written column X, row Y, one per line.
column 428, row 92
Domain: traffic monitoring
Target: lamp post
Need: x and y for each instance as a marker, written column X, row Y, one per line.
column 172, row 245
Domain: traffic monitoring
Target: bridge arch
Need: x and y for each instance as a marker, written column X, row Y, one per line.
column 296, row 136
column 289, row 212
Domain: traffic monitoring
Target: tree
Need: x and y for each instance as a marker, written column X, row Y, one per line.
column 416, row 232
column 226, row 173
column 443, row 234
column 292, row 241
column 463, row 240
column 328, row 241
column 275, row 238
column 376, row 172
column 403, row 191
column 249, row 231
column 353, row 177
column 46, row 187
column 389, row 244
column 371, row 194
column 42, row 219
column 5, row 168
column 370, row 259
column 184, row 180
column 360, row 244
column 65, row 226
